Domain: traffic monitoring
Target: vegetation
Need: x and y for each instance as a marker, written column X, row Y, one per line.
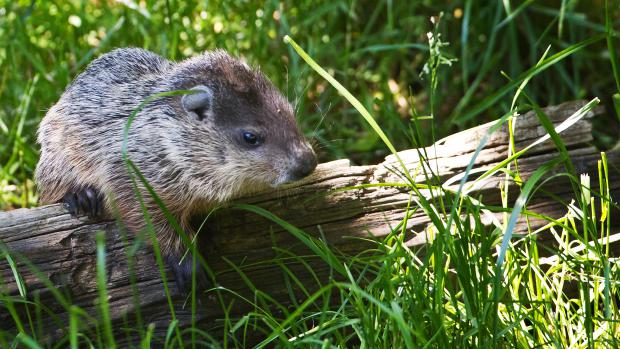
column 472, row 286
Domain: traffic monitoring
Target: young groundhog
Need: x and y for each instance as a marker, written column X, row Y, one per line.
column 236, row 134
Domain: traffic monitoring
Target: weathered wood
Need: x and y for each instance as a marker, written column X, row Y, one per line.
column 63, row 247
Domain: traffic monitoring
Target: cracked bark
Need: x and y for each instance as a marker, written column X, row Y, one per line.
column 63, row 248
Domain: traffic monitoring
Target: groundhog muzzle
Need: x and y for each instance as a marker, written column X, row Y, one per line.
column 235, row 134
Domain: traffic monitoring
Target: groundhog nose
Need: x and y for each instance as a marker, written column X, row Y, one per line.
column 305, row 165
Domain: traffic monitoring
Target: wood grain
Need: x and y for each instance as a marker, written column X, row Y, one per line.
column 63, row 248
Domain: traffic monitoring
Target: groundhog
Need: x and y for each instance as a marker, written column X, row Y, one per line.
column 235, row 134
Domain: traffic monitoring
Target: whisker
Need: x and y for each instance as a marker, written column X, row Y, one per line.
column 298, row 98
column 323, row 115
column 287, row 87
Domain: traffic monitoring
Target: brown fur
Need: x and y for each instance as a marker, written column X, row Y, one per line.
column 192, row 158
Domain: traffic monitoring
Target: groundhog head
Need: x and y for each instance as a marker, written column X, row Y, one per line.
column 242, row 133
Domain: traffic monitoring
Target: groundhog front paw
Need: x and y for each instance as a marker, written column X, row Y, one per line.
column 183, row 272
column 86, row 201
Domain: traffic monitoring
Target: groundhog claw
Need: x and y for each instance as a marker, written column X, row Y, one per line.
column 183, row 272
column 86, row 201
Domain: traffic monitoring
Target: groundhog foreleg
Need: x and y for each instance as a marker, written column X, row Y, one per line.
column 172, row 248
column 177, row 256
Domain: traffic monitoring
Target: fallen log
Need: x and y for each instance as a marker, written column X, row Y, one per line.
column 63, row 248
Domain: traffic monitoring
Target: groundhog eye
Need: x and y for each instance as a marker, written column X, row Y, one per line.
column 250, row 138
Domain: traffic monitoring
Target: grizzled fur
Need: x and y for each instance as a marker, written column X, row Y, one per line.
column 193, row 159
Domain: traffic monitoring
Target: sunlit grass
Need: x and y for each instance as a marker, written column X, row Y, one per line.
column 473, row 285
column 377, row 51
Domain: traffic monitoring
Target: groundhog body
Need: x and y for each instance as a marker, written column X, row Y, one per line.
column 234, row 134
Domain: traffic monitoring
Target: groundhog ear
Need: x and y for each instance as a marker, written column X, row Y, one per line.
column 198, row 104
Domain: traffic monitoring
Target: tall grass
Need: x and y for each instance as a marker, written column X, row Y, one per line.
column 473, row 284
column 375, row 48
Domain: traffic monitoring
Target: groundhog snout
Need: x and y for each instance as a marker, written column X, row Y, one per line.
column 305, row 164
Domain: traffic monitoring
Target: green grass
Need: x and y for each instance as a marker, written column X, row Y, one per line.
column 473, row 285
column 375, row 48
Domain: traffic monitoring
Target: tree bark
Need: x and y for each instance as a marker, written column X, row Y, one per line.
column 63, row 248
